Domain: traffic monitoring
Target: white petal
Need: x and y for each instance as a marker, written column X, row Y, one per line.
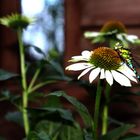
column 84, row 72
column 91, row 34
column 102, row 76
column 120, row 78
column 77, row 58
column 120, row 36
column 86, row 54
column 129, row 73
column 94, row 73
column 109, row 77
column 131, row 38
column 124, row 67
column 78, row 66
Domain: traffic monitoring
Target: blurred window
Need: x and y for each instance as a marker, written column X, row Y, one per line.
column 48, row 30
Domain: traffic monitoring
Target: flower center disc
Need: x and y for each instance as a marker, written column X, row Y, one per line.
column 105, row 58
column 114, row 25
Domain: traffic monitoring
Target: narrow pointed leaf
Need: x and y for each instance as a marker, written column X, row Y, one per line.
column 132, row 138
column 38, row 136
column 83, row 111
column 5, row 75
column 117, row 133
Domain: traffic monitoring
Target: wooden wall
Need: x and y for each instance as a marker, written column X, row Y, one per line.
column 80, row 16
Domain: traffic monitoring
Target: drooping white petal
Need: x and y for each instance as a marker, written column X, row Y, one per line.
column 102, row 75
column 77, row 59
column 86, row 54
column 84, row 72
column 91, row 34
column 120, row 78
column 94, row 73
column 124, row 67
column 128, row 72
column 131, row 38
column 120, row 36
column 78, row 66
column 109, row 77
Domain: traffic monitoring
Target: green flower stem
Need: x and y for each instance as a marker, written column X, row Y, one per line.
column 105, row 110
column 68, row 134
column 33, row 79
column 40, row 85
column 105, row 120
column 97, row 108
column 24, row 83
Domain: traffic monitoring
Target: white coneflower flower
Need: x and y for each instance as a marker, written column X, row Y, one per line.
column 112, row 30
column 130, row 38
column 104, row 62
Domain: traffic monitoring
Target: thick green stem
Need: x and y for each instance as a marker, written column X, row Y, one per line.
column 97, row 109
column 24, row 83
column 105, row 111
column 105, row 120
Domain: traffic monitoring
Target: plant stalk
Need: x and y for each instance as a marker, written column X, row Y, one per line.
column 24, row 83
column 105, row 110
column 105, row 119
column 40, row 85
column 33, row 79
column 97, row 109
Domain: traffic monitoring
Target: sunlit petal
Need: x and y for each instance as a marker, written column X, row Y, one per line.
column 94, row 73
column 125, row 68
column 84, row 72
column 78, row 66
column 120, row 36
column 86, row 54
column 109, row 77
column 131, row 38
column 102, row 75
column 127, row 72
column 77, row 59
column 91, row 34
column 120, row 78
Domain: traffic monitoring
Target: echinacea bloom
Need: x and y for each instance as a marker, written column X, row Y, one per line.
column 112, row 31
column 16, row 21
column 104, row 62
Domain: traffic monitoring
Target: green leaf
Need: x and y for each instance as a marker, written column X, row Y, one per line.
column 118, row 132
column 98, row 39
column 15, row 117
column 112, row 120
column 137, row 42
column 53, row 113
column 34, row 96
column 51, row 128
column 65, row 114
column 53, row 101
column 58, row 131
column 5, row 75
column 38, row 136
column 57, row 67
column 7, row 95
column 36, row 48
column 112, row 42
column 88, row 135
column 71, row 133
column 132, row 138
column 83, row 111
